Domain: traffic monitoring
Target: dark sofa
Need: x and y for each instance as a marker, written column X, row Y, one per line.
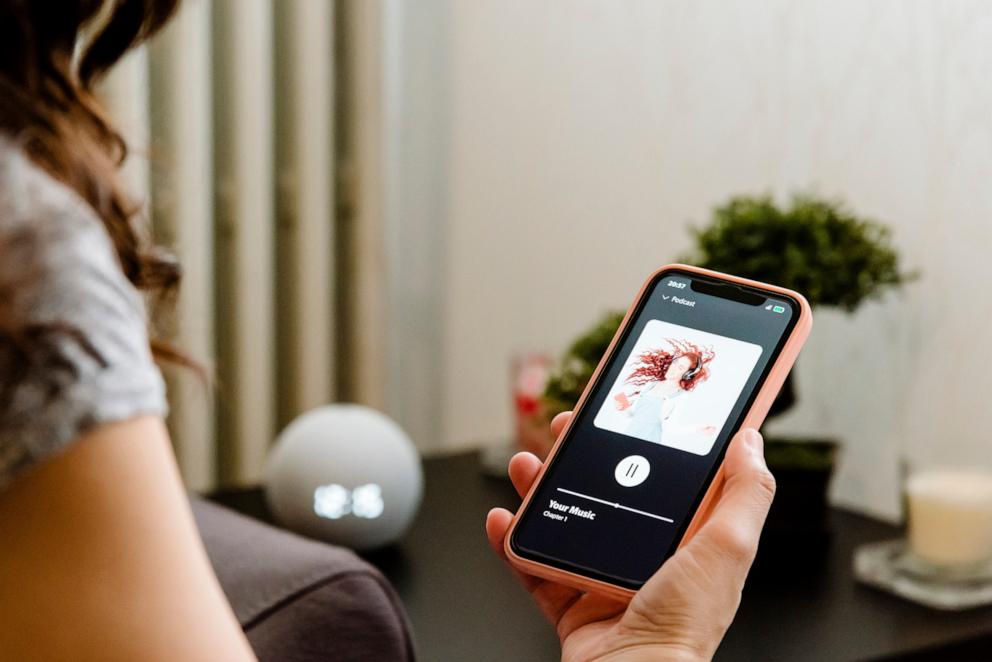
column 300, row 600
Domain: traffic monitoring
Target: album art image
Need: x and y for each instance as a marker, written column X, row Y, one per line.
column 677, row 387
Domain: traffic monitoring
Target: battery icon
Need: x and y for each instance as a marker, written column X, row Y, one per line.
column 779, row 309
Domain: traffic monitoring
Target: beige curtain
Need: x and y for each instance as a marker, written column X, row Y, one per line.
column 230, row 115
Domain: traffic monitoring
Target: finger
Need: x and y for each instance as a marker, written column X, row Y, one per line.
column 497, row 522
column 525, row 466
column 553, row 599
column 589, row 608
column 523, row 469
column 734, row 526
column 559, row 422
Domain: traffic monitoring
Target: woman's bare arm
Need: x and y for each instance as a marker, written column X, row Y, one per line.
column 100, row 558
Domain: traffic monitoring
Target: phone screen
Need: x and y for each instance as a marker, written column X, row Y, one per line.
column 620, row 493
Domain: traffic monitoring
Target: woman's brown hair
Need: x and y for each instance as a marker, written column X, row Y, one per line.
column 48, row 107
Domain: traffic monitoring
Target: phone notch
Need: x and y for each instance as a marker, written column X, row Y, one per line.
column 730, row 291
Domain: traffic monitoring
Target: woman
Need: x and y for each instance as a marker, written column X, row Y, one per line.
column 659, row 378
column 99, row 557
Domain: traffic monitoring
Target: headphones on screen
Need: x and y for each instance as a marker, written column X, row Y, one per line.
column 693, row 371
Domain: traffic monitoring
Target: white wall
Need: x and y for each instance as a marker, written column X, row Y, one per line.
column 584, row 136
column 416, row 220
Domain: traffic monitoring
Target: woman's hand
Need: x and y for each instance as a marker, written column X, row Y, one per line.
column 684, row 610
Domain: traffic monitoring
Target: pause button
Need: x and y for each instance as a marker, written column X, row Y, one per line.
column 632, row 471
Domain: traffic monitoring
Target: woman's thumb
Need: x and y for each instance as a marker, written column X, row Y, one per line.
column 734, row 526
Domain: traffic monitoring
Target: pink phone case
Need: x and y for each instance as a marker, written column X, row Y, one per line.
column 754, row 418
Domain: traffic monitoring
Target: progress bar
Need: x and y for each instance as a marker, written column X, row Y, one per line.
column 616, row 505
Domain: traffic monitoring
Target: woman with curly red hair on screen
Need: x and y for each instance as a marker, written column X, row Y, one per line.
column 660, row 377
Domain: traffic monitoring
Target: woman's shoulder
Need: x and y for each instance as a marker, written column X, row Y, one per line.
column 73, row 330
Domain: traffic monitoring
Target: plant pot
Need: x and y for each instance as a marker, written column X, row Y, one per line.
column 798, row 525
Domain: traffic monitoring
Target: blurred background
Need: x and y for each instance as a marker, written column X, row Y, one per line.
column 387, row 201
column 422, row 206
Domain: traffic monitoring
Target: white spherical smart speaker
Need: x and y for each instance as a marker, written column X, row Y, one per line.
column 345, row 474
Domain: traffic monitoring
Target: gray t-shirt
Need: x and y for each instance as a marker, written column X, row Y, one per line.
column 74, row 347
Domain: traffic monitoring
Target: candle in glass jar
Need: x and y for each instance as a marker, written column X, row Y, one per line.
column 950, row 516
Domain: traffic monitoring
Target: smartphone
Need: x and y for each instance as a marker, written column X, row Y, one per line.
column 699, row 355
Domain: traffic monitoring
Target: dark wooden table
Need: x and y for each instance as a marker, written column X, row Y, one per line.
column 465, row 606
